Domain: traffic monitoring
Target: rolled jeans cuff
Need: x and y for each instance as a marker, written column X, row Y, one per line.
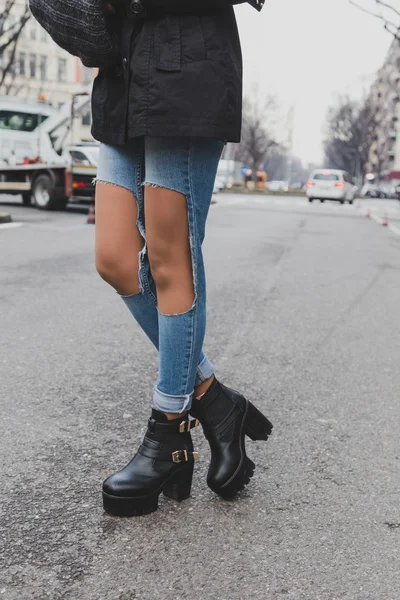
column 205, row 370
column 171, row 404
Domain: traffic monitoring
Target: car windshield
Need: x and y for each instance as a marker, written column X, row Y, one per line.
column 326, row 177
column 20, row 121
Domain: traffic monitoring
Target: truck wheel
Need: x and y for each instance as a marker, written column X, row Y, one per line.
column 27, row 198
column 43, row 194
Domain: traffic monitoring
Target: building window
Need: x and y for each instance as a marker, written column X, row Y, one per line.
column 32, row 66
column 62, row 69
column 43, row 35
column 87, row 117
column 11, row 62
column 33, row 31
column 43, row 68
column 22, row 64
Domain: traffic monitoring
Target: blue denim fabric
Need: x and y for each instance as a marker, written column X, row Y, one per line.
column 188, row 166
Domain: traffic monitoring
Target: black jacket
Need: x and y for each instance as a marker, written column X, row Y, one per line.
column 180, row 73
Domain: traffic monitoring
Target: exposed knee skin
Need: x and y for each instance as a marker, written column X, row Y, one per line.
column 118, row 241
column 122, row 275
column 169, row 250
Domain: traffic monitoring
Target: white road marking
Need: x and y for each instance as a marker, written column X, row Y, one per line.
column 376, row 218
column 394, row 229
column 10, row 225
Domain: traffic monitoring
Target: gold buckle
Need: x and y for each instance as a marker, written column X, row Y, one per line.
column 187, row 426
column 183, row 456
column 177, row 456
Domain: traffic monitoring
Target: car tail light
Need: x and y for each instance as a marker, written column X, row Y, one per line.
column 340, row 184
column 310, row 183
column 79, row 185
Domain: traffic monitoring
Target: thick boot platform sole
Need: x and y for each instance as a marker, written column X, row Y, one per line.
column 238, row 483
column 256, row 425
column 177, row 487
column 130, row 507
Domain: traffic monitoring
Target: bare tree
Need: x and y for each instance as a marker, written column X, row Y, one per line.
column 11, row 27
column 258, row 140
column 350, row 133
column 385, row 11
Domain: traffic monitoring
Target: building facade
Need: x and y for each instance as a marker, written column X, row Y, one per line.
column 43, row 71
column 384, row 155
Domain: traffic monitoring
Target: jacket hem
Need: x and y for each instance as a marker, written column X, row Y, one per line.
column 108, row 136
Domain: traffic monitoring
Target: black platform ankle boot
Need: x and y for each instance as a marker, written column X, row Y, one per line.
column 227, row 417
column 163, row 463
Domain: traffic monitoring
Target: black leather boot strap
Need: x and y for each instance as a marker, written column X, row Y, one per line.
column 165, row 454
column 175, row 426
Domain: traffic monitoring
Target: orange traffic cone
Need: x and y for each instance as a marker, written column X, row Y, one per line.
column 368, row 213
column 385, row 220
column 91, row 215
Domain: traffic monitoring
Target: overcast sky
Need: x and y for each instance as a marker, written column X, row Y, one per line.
column 308, row 51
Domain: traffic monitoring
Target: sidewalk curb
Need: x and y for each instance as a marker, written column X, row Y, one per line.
column 5, row 218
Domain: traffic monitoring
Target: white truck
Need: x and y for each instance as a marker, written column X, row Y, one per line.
column 35, row 161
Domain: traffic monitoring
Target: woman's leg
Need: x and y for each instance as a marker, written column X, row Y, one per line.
column 120, row 233
column 118, row 239
column 165, row 459
column 179, row 179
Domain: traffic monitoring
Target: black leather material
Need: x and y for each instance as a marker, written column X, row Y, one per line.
column 222, row 413
column 153, row 465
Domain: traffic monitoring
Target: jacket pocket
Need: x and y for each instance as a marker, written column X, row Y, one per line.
column 168, row 44
column 193, row 45
column 179, row 39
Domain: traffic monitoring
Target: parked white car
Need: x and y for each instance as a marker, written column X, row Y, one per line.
column 84, row 154
column 331, row 184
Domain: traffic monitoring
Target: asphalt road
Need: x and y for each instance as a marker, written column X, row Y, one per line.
column 303, row 318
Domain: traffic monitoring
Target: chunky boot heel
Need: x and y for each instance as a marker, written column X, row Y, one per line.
column 227, row 417
column 163, row 464
column 239, row 481
column 257, row 426
column 179, row 485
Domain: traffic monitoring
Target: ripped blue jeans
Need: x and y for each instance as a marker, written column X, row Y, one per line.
column 188, row 166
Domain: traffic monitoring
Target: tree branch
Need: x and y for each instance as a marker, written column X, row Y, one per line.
column 366, row 10
column 9, row 36
column 391, row 27
column 386, row 5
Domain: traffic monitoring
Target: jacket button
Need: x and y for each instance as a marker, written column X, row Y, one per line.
column 136, row 7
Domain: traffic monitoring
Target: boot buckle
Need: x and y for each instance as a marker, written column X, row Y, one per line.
column 183, row 456
column 179, row 456
column 187, row 426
